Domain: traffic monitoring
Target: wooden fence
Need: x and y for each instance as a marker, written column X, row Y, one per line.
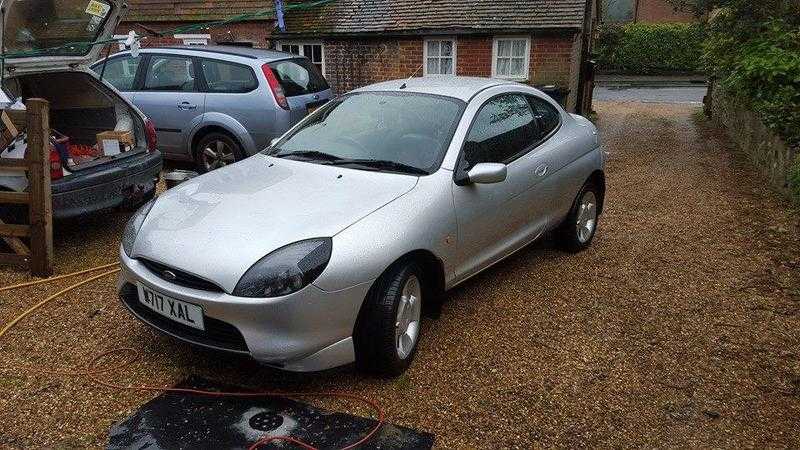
column 38, row 255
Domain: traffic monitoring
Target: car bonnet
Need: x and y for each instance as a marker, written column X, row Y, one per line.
column 218, row 225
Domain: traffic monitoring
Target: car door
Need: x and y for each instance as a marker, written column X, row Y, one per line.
column 171, row 94
column 559, row 184
column 496, row 219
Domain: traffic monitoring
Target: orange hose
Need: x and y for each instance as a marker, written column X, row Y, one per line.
column 92, row 372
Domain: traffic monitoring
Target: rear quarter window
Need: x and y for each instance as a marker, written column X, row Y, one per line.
column 298, row 77
column 547, row 116
column 120, row 72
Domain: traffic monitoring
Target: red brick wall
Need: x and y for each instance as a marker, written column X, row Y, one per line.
column 352, row 63
column 256, row 32
column 660, row 11
column 551, row 60
column 474, row 56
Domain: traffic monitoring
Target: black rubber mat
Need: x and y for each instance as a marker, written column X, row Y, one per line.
column 177, row 421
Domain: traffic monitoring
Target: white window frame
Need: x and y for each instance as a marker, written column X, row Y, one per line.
column 425, row 56
column 193, row 39
column 526, row 75
column 300, row 44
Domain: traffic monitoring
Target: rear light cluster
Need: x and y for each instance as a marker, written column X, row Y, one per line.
column 150, row 135
column 275, row 87
column 56, row 169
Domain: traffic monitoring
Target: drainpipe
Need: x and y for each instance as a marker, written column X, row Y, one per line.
column 583, row 75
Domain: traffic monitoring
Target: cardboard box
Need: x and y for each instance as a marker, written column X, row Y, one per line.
column 113, row 142
column 123, row 137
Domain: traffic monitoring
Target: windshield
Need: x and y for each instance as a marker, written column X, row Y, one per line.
column 35, row 25
column 395, row 131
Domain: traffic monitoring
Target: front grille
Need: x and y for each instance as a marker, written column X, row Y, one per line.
column 181, row 278
column 218, row 334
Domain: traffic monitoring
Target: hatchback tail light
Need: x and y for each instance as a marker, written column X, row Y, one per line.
column 150, row 134
column 275, row 87
column 56, row 169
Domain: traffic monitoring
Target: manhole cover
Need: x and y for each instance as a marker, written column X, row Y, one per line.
column 266, row 421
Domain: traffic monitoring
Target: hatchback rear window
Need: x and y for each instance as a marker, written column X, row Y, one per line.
column 298, row 77
column 40, row 25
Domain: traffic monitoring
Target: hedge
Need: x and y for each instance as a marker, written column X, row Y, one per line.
column 763, row 68
column 650, row 49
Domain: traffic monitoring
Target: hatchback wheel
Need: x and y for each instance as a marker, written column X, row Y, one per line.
column 579, row 228
column 217, row 150
column 389, row 326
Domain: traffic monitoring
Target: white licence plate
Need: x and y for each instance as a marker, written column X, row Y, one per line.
column 181, row 312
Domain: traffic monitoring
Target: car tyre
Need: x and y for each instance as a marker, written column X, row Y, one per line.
column 389, row 326
column 578, row 230
column 216, row 150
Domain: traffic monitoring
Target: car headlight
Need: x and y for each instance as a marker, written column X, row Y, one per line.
column 285, row 270
column 133, row 226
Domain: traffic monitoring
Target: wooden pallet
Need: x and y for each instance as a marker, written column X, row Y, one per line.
column 38, row 255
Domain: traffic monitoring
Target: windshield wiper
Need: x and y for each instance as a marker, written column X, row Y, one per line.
column 380, row 164
column 309, row 155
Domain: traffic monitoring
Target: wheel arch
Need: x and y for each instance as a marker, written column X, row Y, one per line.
column 433, row 274
column 221, row 123
column 598, row 179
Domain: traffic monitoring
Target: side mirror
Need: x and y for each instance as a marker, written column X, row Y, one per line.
column 488, row 173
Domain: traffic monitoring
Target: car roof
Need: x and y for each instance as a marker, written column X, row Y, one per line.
column 462, row 88
column 229, row 50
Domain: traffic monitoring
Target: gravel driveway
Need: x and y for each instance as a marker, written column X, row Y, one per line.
column 680, row 327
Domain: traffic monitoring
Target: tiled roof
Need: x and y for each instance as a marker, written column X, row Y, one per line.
column 404, row 16
column 191, row 10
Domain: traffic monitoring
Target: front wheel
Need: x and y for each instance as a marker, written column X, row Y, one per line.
column 579, row 228
column 389, row 326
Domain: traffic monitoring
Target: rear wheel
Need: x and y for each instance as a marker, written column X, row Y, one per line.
column 389, row 326
column 216, row 150
column 579, row 228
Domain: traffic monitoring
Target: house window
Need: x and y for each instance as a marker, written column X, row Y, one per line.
column 193, row 39
column 440, row 57
column 311, row 50
column 511, row 57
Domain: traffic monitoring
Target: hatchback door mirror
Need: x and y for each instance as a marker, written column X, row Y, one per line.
column 488, row 173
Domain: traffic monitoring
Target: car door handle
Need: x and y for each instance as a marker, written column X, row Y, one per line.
column 541, row 170
column 186, row 106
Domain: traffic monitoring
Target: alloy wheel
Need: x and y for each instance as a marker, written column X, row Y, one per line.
column 587, row 217
column 409, row 313
column 217, row 154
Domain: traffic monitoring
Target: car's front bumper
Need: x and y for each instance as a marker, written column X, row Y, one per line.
column 310, row 330
column 107, row 186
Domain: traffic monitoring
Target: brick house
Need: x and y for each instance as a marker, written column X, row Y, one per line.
column 150, row 17
column 539, row 42
column 355, row 43
column 643, row 11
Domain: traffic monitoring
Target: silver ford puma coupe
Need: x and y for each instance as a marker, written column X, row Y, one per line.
column 321, row 250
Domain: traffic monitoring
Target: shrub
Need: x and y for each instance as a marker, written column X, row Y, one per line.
column 646, row 49
column 762, row 68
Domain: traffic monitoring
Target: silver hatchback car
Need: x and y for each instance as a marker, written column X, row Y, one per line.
column 322, row 250
column 217, row 104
